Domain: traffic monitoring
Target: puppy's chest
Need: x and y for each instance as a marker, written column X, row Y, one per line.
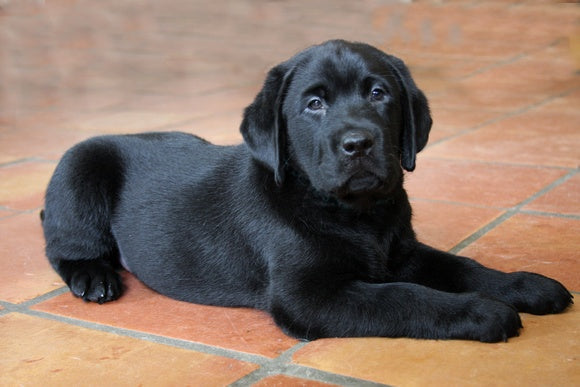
column 372, row 259
column 362, row 256
column 356, row 245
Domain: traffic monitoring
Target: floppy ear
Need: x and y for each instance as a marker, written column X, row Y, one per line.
column 263, row 126
column 416, row 115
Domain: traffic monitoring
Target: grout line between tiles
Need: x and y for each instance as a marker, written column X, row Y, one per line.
column 494, row 65
column 499, row 163
column 316, row 374
column 283, row 365
column 505, row 116
column 550, row 214
column 510, row 60
column 482, row 231
column 157, row 339
column 14, row 212
column 9, row 212
column 455, row 203
column 17, row 162
column 44, row 297
column 24, row 308
column 511, row 212
column 503, row 209
column 561, row 180
column 303, row 372
column 267, row 366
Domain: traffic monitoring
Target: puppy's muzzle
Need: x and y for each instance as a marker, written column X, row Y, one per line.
column 362, row 171
column 356, row 143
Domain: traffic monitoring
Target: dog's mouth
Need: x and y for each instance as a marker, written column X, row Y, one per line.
column 363, row 184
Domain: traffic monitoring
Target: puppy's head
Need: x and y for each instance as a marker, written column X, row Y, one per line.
column 346, row 115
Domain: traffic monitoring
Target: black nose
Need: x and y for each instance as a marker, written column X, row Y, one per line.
column 357, row 143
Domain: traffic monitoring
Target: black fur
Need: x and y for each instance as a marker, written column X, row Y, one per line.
column 308, row 219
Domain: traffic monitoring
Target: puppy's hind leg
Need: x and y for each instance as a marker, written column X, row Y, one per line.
column 80, row 201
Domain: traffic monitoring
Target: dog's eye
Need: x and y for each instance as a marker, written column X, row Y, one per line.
column 315, row 104
column 378, row 94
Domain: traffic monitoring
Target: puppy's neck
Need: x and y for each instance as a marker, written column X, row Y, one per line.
column 311, row 196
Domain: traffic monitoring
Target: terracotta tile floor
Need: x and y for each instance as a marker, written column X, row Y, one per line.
column 498, row 182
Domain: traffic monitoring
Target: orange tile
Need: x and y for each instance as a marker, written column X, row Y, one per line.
column 24, row 270
column 5, row 213
column 220, row 129
column 448, row 121
column 22, row 186
column 37, row 135
column 567, row 104
column 540, row 244
column 19, row 144
column 126, row 121
column 37, row 351
column 461, row 31
column 433, row 73
column 213, row 104
column 544, row 354
column 497, row 98
column 530, row 26
column 539, row 75
column 564, row 199
column 141, row 309
column 443, row 225
column 476, row 183
column 283, row 381
column 523, row 139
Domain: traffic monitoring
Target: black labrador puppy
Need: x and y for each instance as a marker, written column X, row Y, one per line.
column 308, row 219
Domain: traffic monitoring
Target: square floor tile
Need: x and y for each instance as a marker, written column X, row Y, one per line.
column 461, row 31
column 142, row 309
column 22, row 186
column 6, row 213
column 521, row 139
column 222, row 129
column 564, row 199
column 495, row 98
column 544, row 354
column 567, row 104
column 464, row 181
column 205, row 105
column 24, row 269
column 541, row 244
column 443, row 225
column 45, row 352
column 36, row 136
column 126, row 121
column 540, row 77
column 448, row 122
column 283, row 381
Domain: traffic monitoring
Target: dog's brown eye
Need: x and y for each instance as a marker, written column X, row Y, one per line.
column 378, row 94
column 315, row 104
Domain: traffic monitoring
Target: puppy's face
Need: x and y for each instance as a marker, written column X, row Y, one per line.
column 346, row 115
column 342, row 112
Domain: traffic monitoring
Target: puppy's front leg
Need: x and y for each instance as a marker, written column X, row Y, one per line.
column 528, row 292
column 357, row 308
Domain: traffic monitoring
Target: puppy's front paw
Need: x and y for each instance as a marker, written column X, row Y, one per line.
column 536, row 294
column 93, row 281
column 491, row 321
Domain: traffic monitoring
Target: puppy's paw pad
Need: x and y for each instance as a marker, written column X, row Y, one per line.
column 539, row 294
column 95, row 282
column 491, row 321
